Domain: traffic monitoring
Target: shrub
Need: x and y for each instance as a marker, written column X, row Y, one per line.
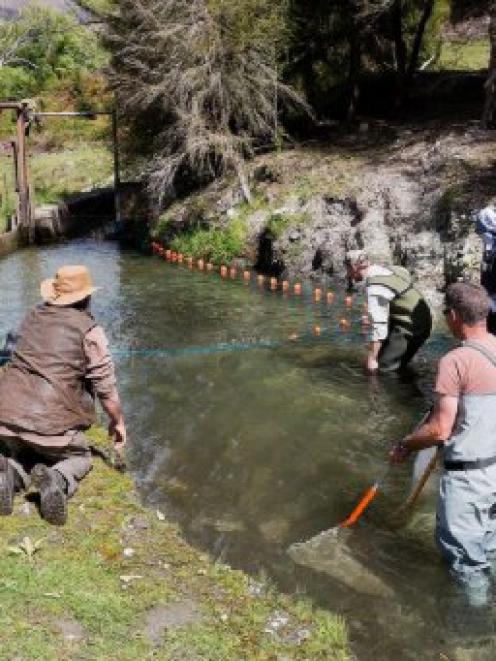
column 219, row 245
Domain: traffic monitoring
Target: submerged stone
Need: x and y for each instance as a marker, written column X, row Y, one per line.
column 330, row 553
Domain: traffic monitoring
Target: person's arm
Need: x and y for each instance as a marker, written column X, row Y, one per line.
column 100, row 372
column 435, row 431
column 117, row 427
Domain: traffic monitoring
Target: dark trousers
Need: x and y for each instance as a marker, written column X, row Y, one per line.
column 398, row 349
column 72, row 461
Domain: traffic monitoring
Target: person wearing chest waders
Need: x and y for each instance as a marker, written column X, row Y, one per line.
column 463, row 423
column 60, row 362
column 401, row 320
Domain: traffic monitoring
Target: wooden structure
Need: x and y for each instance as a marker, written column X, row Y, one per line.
column 25, row 115
column 25, row 209
column 92, row 115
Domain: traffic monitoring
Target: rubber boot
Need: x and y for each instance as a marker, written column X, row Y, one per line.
column 6, row 487
column 53, row 499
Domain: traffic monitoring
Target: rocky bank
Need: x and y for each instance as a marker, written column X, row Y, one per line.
column 407, row 196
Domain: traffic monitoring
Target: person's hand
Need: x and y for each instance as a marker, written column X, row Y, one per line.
column 371, row 364
column 117, row 432
column 399, row 453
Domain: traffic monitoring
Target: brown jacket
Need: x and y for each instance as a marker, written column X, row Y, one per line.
column 44, row 389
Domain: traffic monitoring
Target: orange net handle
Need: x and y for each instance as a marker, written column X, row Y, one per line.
column 361, row 507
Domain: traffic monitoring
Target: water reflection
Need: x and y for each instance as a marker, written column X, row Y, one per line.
column 259, row 441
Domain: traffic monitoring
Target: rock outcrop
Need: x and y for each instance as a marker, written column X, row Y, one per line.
column 408, row 199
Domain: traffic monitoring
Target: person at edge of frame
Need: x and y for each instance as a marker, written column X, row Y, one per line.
column 463, row 424
column 485, row 225
column 401, row 320
column 60, row 361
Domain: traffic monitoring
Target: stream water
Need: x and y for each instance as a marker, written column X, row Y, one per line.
column 254, row 441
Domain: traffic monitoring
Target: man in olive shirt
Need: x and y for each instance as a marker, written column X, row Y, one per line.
column 401, row 319
column 60, row 362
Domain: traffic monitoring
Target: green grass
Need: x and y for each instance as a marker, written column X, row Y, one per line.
column 279, row 223
column 57, row 174
column 76, row 575
column 219, row 245
column 221, row 242
column 464, row 56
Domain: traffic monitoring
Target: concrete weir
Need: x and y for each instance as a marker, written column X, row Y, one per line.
column 9, row 241
column 74, row 216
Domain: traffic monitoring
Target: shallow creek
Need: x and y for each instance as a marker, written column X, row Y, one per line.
column 254, row 441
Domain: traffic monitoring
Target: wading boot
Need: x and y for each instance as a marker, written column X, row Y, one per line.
column 6, row 487
column 53, row 499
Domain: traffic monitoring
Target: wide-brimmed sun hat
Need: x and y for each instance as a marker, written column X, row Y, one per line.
column 70, row 285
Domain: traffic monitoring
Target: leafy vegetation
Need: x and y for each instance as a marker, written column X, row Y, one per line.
column 219, row 245
column 94, row 588
column 41, row 48
column 463, row 56
column 279, row 222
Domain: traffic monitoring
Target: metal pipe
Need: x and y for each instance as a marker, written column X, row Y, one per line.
column 85, row 114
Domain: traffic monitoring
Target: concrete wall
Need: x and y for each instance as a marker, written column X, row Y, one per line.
column 9, row 241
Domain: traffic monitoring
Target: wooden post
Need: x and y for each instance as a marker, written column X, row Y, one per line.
column 25, row 219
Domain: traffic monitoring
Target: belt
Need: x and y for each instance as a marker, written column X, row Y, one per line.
column 469, row 465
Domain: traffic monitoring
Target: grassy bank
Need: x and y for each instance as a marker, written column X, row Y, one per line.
column 119, row 582
column 79, row 168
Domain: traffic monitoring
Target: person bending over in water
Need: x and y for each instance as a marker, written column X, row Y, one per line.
column 463, row 423
column 401, row 319
column 59, row 362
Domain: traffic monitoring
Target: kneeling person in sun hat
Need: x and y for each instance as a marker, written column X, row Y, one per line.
column 60, row 362
column 401, row 320
column 463, row 423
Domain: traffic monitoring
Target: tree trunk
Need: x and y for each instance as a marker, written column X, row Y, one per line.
column 417, row 42
column 490, row 86
column 354, row 74
column 400, row 51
